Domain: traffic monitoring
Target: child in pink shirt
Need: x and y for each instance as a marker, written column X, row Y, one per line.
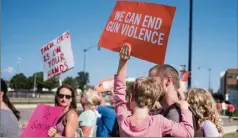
column 133, row 118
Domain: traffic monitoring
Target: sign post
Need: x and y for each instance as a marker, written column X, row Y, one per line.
column 60, row 81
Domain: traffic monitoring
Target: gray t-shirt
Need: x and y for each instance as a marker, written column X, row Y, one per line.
column 174, row 114
column 9, row 126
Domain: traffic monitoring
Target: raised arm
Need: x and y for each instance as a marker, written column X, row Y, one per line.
column 120, row 85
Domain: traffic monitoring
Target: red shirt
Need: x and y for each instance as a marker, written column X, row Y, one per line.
column 231, row 108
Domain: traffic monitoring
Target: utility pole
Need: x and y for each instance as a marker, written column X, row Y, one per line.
column 85, row 51
column 190, row 43
column 209, row 77
column 35, row 85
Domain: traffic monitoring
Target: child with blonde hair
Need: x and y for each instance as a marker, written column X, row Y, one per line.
column 204, row 107
column 133, row 118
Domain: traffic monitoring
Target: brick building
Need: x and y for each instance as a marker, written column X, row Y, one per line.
column 229, row 85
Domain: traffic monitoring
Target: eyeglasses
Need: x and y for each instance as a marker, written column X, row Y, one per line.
column 62, row 96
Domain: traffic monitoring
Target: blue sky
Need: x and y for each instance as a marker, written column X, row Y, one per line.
column 29, row 24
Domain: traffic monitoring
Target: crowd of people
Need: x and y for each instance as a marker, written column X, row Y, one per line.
column 155, row 107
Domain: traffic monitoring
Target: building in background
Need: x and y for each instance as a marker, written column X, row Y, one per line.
column 229, row 85
column 222, row 83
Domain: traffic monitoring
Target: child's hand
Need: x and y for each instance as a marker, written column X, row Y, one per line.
column 182, row 104
column 181, row 93
column 125, row 52
column 52, row 131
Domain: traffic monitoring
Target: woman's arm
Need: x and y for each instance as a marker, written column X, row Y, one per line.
column 71, row 123
column 86, row 130
column 87, row 121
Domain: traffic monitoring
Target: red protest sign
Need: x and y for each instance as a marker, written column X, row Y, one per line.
column 146, row 26
column 42, row 119
column 185, row 76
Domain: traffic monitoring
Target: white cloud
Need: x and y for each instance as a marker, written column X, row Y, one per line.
column 10, row 70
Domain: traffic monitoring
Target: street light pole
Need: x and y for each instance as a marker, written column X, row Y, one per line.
column 84, row 62
column 209, row 76
column 190, row 43
column 18, row 65
column 34, row 85
column 209, row 79
column 85, row 51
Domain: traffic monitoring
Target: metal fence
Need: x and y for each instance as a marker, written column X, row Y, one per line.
column 28, row 94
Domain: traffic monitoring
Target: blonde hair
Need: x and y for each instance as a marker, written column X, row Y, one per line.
column 204, row 106
column 145, row 92
column 92, row 97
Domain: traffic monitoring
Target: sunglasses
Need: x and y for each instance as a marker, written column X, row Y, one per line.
column 62, row 96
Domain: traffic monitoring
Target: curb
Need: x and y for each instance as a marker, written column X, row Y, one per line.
column 224, row 117
column 230, row 129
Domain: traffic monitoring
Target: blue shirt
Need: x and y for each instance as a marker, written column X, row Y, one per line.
column 106, row 123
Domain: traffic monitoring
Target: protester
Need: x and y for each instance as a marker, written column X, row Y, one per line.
column 68, row 123
column 219, row 108
column 145, row 92
column 204, row 106
column 88, row 118
column 230, row 109
column 168, row 77
column 9, row 115
column 107, row 125
column 224, row 108
column 174, row 90
column 153, row 71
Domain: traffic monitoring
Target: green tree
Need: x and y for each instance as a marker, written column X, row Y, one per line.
column 51, row 83
column 30, row 82
column 82, row 80
column 38, row 76
column 19, row 81
column 70, row 81
column 40, row 83
column 218, row 97
column 86, row 87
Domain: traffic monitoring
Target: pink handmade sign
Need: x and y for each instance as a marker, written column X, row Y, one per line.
column 41, row 120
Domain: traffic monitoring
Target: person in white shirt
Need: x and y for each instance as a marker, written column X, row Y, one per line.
column 224, row 108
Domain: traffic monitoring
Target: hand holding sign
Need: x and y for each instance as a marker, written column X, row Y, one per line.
column 52, row 131
column 42, row 119
column 125, row 52
column 24, row 125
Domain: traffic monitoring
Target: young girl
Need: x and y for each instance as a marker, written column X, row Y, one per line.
column 204, row 106
column 145, row 92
